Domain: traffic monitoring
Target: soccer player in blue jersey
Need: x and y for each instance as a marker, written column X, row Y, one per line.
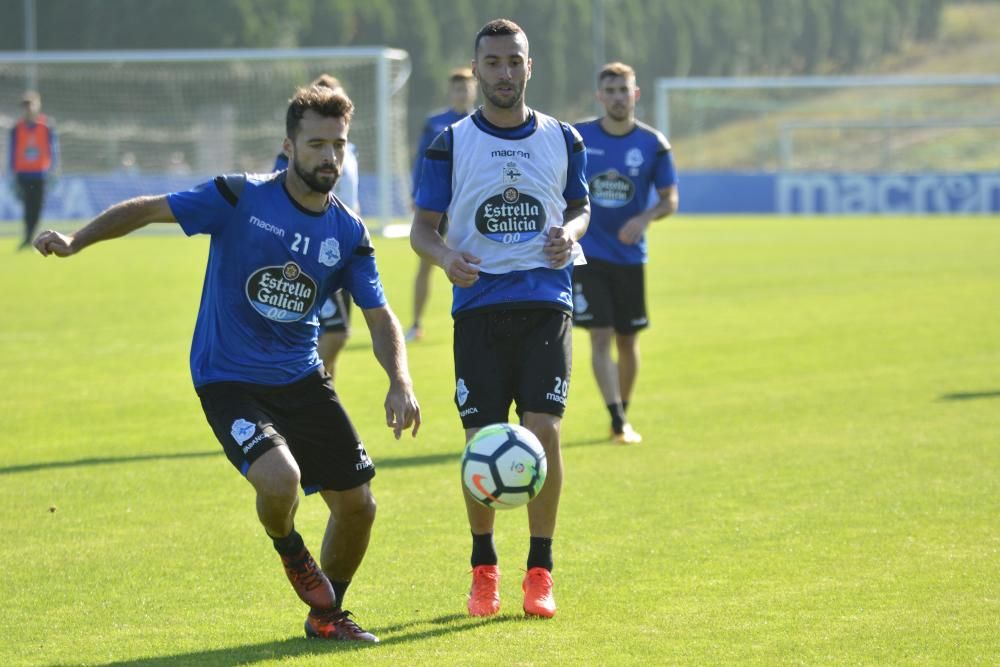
column 511, row 181
column 626, row 160
column 335, row 314
column 280, row 243
column 461, row 99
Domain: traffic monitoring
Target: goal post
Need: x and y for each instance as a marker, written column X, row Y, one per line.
column 865, row 144
column 131, row 122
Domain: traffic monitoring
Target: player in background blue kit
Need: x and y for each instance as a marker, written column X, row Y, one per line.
column 511, row 181
column 279, row 244
column 335, row 314
column 625, row 160
column 461, row 99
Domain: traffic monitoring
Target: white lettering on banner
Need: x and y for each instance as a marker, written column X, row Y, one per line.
column 888, row 193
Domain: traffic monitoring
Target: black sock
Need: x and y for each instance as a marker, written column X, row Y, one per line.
column 617, row 413
column 290, row 545
column 540, row 554
column 483, row 551
column 624, row 407
column 340, row 588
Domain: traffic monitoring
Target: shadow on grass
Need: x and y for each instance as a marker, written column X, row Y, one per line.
column 398, row 462
column 403, row 462
column 298, row 646
column 103, row 460
column 590, row 442
column 969, row 395
column 425, row 460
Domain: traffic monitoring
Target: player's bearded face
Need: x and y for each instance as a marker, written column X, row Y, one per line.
column 317, row 150
column 503, row 68
column 320, row 179
column 504, row 94
column 618, row 95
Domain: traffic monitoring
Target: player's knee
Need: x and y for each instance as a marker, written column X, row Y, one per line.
column 367, row 510
column 627, row 342
column 361, row 511
column 275, row 474
column 600, row 339
column 546, row 429
column 339, row 339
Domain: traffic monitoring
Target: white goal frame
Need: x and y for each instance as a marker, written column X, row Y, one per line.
column 385, row 84
column 665, row 86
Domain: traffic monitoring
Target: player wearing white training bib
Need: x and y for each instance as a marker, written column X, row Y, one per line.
column 505, row 199
column 511, row 181
column 503, row 203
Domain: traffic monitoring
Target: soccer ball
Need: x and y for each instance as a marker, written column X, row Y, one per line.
column 504, row 466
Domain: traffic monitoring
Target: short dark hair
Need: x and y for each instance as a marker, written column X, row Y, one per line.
column 460, row 74
column 327, row 102
column 616, row 69
column 496, row 28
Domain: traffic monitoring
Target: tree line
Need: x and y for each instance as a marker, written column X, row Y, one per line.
column 660, row 38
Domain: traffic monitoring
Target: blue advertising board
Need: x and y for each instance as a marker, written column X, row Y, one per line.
column 821, row 193
column 81, row 197
column 720, row 192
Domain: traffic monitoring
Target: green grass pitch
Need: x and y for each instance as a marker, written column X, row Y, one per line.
column 820, row 399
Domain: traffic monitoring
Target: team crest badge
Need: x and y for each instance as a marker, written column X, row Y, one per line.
column 461, row 392
column 633, row 158
column 329, row 252
column 242, row 430
column 511, row 174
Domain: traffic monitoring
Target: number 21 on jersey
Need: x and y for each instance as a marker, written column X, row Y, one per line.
column 301, row 241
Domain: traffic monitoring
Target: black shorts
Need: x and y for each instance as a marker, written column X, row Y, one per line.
column 335, row 315
column 610, row 295
column 512, row 356
column 249, row 419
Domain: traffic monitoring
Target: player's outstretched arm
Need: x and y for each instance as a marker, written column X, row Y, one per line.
column 401, row 408
column 119, row 220
column 460, row 267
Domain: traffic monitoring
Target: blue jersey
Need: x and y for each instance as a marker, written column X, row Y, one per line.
column 271, row 264
column 621, row 170
column 434, row 126
column 536, row 287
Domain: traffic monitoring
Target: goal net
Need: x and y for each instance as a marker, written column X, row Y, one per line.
column 146, row 122
column 834, row 123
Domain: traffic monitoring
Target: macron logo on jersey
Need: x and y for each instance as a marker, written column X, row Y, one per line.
column 267, row 226
column 507, row 152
